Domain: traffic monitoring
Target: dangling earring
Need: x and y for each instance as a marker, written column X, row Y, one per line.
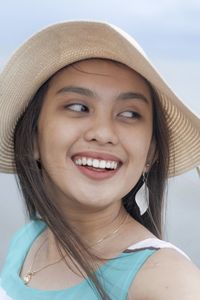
column 142, row 196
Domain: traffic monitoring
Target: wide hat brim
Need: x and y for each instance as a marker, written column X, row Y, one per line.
column 64, row 43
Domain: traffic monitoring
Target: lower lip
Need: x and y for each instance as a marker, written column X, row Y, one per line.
column 97, row 175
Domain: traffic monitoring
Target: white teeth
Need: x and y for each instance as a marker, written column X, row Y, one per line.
column 89, row 162
column 112, row 165
column 84, row 161
column 102, row 164
column 96, row 163
column 78, row 162
column 108, row 165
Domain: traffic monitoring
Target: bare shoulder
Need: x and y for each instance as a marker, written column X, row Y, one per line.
column 167, row 274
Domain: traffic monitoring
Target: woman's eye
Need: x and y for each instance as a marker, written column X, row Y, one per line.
column 77, row 107
column 130, row 114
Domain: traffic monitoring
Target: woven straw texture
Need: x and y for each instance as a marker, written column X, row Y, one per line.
column 64, row 43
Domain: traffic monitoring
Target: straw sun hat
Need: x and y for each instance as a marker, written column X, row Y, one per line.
column 64, row 43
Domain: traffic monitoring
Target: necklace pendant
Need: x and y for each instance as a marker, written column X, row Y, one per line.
column 27, row 277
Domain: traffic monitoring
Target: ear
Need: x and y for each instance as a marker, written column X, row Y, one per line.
column 36, row 153
column 152, row 155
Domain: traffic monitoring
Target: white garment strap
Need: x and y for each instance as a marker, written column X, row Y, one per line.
column 156, row 243
column 3, row 295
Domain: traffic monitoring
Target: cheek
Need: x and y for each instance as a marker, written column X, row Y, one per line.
column 137, row 142
column 52, row 138
column 137, row 154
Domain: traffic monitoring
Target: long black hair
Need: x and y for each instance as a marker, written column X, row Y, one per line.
column 41, row 206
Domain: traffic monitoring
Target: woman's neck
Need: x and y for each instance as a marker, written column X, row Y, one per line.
column 102, row 227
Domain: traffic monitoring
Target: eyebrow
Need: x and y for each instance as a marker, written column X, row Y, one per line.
column 77, row 90
column 132, row 95
column 89, row 93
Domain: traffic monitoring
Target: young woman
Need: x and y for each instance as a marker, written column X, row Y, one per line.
column 93, row 133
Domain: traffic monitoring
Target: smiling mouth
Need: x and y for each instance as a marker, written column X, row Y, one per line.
column 96, row 168
column 98, row 164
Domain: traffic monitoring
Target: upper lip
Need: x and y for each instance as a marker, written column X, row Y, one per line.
column 98, row 155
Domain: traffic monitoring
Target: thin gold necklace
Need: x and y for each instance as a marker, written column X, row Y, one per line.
column 27, row 278
column 115, row 231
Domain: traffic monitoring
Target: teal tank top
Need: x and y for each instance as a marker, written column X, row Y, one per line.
column 116, row 275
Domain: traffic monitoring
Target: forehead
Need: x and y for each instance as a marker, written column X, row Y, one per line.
column 99, row 70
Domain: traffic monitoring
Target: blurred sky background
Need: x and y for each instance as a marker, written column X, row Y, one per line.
column 169, row 32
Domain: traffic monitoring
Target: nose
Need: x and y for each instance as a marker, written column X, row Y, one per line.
column 102, row 131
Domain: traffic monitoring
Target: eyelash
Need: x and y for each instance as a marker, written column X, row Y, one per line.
column 134, row 114
column 76, row 104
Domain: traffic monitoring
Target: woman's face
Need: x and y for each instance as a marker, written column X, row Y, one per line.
column 97, row 113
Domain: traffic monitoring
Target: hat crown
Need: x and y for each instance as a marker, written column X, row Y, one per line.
column 64, row 43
